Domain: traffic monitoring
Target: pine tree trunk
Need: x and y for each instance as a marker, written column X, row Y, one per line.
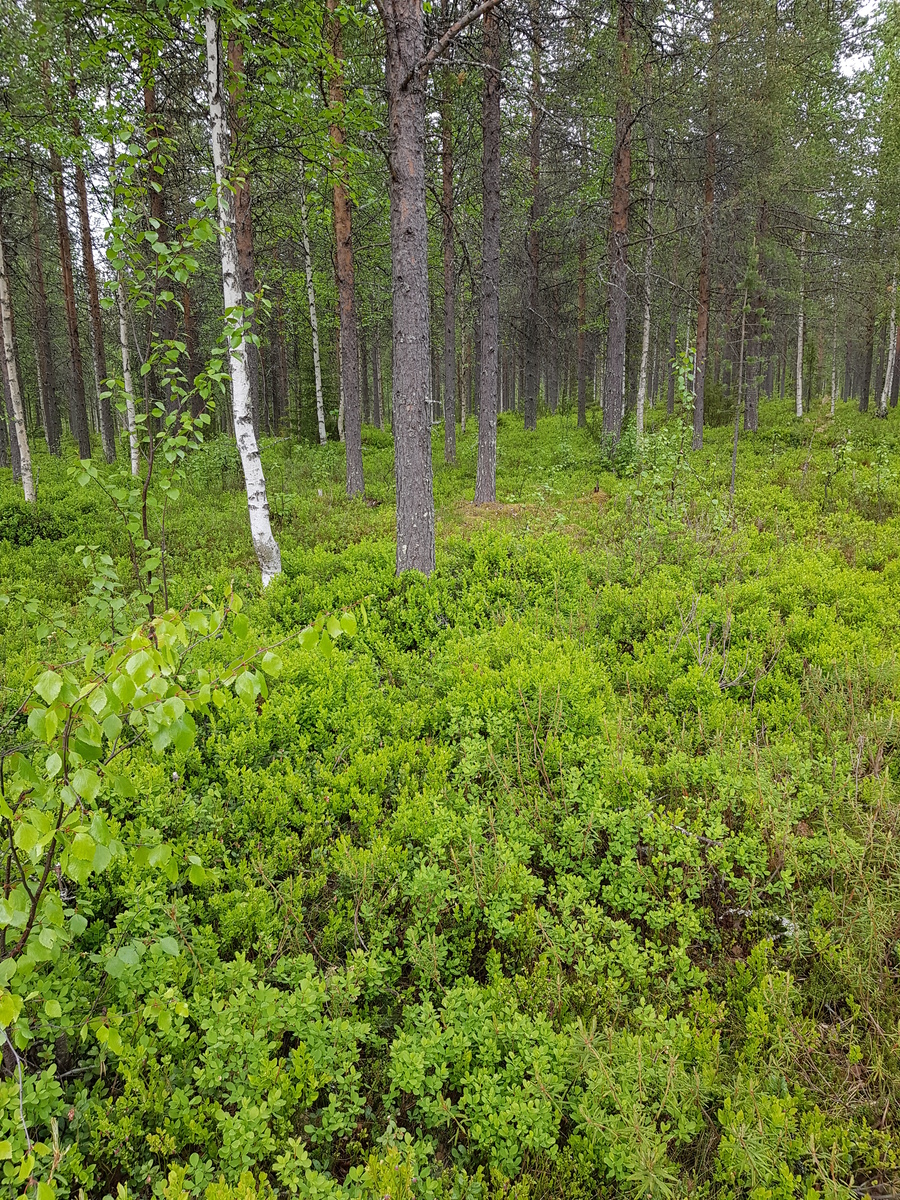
column 313, row 318
column 267, row 552
column 17, row 431
column 43, row 349
column 486, row 473
column 614, row 373
column 737, row 406
column 533, row 245
column 377, row 419
column 648, row 277
column 343, row 236
column 834, row 363
column 364, row 376
column 866, row 383
column 704, row 289
column 449, row 249
column 404, row 27
column 582, row 333
column 801, row 329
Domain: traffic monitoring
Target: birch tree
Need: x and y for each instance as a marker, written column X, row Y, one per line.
column 267, row 552
column 11, row 373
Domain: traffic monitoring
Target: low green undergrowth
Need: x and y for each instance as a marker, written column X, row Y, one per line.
column 573, row 873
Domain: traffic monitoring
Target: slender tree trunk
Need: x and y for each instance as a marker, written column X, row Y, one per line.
column 834, row 363
column 313, row 318
column 737, row 406
column 449, row 248
column 801, row 329
column 648, row 276
column 404, row 28
column 78, row 418
column 377, row 419
column 673, row 335
column 130, row 423
column 895, row 382
column 243, row 215
column 11, row 379
column 267, row 552
column 98, row 348
column 7, row 418
column 582, row 333
column 891, row 363
column 614, row 372
column 43, row 351
column 866, row 383
column 343, row 236
column 364, row 376
column 193, row 351
column 704, row 289
column 533, row 245
column 486, row 474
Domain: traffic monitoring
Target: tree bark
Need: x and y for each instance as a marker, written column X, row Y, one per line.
column 43, row 350
column 404, row 29
column 648, row 277
column 364, row 376
column 343, row 236
column 98, row 348
column 243, row 215
column 11, row 379
column 313, row 318
column 532, row 278
column 130, row 422
column 866, row 384
column 449, row 248
column 891, row 362
column 704, row 289
column 486, row 472
column 582, row 333
column 614, row 374
column 267, row 552
column 737, row 406
column 801, row 330
column 377, row 419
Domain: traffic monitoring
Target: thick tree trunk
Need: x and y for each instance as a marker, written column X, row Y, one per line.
column 486, row 473
column 267, row 552
column 532, row 278
column 313, row 318
column 18, row 434
column 43, row 350
column 404, row 27
column 343, row 236
column 891, row 360
column 449, row 248
column 801, row 330
column 614, row 374
column 648, row 277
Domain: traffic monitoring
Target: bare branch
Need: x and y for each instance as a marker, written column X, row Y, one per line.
column 422, row 66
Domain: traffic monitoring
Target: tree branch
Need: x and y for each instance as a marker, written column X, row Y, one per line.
column 421, row 67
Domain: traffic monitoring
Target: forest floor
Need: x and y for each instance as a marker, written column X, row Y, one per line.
column 573, row 873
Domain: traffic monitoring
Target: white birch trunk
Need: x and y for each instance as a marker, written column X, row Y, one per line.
column 313, row 319
column 648, row 269
column 892, row 349
column 267, row 552
column 130, row 423
column 15, row 394
column 801, row 328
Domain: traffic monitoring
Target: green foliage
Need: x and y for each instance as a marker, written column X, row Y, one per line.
column 569, row 871
column 21, row 523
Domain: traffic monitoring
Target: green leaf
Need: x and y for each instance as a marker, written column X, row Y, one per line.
column 77, row 924
column 272, row 664
column 52, row 1009
column 169, row 946
column 5, row 1151
column 87, row 784
column 48, row 686
column 26, row 837
column 53, row 765
column 309, row 638
column 196, row 875
column 10, row 1007
column 114, row 967
column 333, row 626
column 348, row 623
column 83, row 847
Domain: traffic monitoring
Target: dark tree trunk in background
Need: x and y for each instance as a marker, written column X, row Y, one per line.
column 486, row 473
column 531, row 348
column 449, row 249
column 673, row 340
column 364, row 376
column 157, row 173
column 281, row 397
column 614, row 375
column 404, row 31
column 43, row 349
column 866, row 385
column 703, row 290
column 582, row 332
column 376, row 378
column 78, row 418
column 193, row 352
column 343, row 236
